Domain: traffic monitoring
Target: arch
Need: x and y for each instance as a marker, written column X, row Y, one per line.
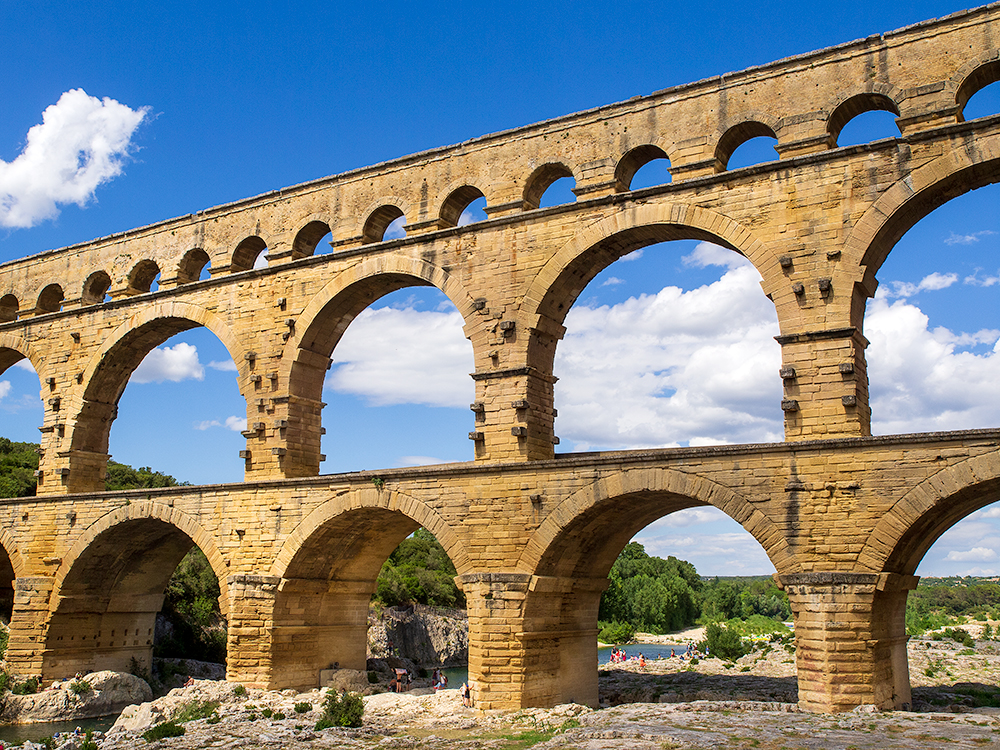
column 191, row 265
column 109, row 369
column 140, row 279
column 540, row 180
column 95, row 288
column 317, row 526
column 457, row 201
column 246, row 253
column 561, row 280
column 632, row 162
column 972, row 165
column 852, row 106
column 307, row 239
column 648, row 494
column 13, row 350
column 378, row 222
column 8, row 308
column 917, row 519
column 10, row 547
column 736, row 136
column 11, row 568
column 111, row 584
column 978, row 78
column 50, row 299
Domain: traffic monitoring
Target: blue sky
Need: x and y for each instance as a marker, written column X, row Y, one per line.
column 220, row 101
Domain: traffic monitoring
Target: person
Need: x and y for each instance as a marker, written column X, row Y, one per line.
column 435, row 677
column 642, row 661
column 672, row 654
column 466, row 695
column 402, row 678
column 393, row 685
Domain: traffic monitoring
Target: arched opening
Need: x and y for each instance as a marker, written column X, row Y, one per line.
column 8, row 308
column 109, row 599
column 644, row 166
column 194, row 266
column 309, row 240
column 21, row 408
column 744, row 145
column 6, row 587
column 934, row 352
column 171, row 391
column 668, row 342
column 979, row 94
column 385, row 223
column 144, row 278
column 95, row 288
column 863, row 118
column 51, row 299
column 464, row 206
column 325, row 597
column 596, row 571
column 248, row 254
column 399, row 387
column 549, row 185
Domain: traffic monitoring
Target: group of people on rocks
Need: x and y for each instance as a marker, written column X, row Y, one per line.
column 619, row 656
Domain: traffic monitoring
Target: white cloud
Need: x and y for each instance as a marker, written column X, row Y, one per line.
column 173, row 363
column 24, row 364
column 226, row 365
column 976, row 554
column 4, row 388
column 80, row 144
column 207, row 424
column 261, row 260
column 930, row 283
column 976, row 280
column 613, row 281
column 967, row 239
column 689, row 517
column 634, row 255
column 921, row 379
column 697, row 366
column 403, row 356
column 236, row 424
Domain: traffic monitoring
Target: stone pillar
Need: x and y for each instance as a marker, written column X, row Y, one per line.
column 532, row 639
column 826, row 384
column 850, row 636
column 514, row 415
column 251, row 621
column 29, row 625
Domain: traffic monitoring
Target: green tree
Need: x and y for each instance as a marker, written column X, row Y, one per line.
column 419, row 571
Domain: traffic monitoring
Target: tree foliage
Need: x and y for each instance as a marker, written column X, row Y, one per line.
column 419, row 571
column 18, row 462
column 191, row 606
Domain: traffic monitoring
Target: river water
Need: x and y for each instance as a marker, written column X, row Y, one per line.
column 15, row 734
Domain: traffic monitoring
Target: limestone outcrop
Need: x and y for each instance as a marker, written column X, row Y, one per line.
column 427, row 636
column 105, row 693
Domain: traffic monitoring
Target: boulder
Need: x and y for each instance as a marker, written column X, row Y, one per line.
column 106, row 693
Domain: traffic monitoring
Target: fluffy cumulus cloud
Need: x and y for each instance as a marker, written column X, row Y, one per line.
column 81, row 143
column 173, row 363
column 930, row 283
column 226, row 365
column 4, row 389
column 967, row 548
column 976, row 554
column 405, row 356
column 695, row 367
column 925, row 379
column 967, row 239
column 236, row 424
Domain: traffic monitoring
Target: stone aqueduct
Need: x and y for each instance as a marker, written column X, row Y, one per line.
column 844, row 517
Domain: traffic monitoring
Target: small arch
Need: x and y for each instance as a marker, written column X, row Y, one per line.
column 459, row 200
column 977, row 80
column 95, row 288
column 857, row 105
column 143, row 276
column 735, row 137
column 632, row 162
column 378, row 223
column 246, row 253
column 193, row 266
column 308, row 238
column 8, row 308
column 540, row 180
column 51, row 299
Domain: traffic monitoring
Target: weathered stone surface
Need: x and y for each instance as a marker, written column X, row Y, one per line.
column 109, row 693
column 431, row 637
column 844, row 517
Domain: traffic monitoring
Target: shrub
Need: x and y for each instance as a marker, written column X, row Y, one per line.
column 5, row 681
column 161, row 731
column 959, row 635
column 616, row 632
column 80, row 687
column 28, row 687
column 4, row 637
column 240, row 691
column 723, row 643
column 341, row 710
column 88, row 742
column 372, row 677
column 278, row 715
column 193, row 710
column 303, row 708
column 267, row 713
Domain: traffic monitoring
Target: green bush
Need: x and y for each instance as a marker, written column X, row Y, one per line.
column 193, row 710
column 279, row 716
column 959, row 635
column 88, row 742
column 240, row 691
column 341, row 710
column 80, row 687
column 267, row 713
column 303, row 708
column 4, row 637
column 161, row 731
column 28, row 687
column 723, row 643
column 615, row 632
column 758, row 625
column 372, row 676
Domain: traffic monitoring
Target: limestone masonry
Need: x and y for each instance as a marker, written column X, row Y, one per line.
column 844, row 517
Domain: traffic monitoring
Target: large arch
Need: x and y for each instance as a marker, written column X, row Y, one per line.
column 11, row 568
column 108, row 373
column 328, row 569
column 13, row 349
column 326, row 318
column 110, row 586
